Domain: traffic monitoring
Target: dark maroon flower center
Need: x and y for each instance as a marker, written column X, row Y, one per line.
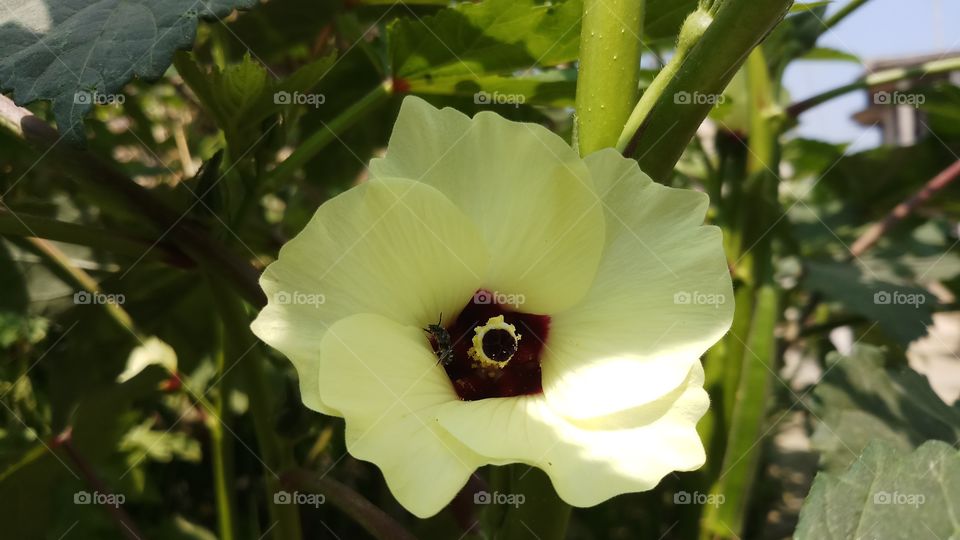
column 515, row 370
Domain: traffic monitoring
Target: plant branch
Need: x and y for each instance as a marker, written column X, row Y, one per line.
column 312, row 145
column 842, row 14
column 904, row 209
column 714, row 42
column 876, row 231
column 887, row 76
column 276, row 456
column 126, row 525
column 23, row 225
column 609, row 70
column 223, row 485
column 373, row 520
column 110, row 182
column 77, row 277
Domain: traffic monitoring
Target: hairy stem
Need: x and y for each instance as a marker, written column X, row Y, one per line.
column 609, row 71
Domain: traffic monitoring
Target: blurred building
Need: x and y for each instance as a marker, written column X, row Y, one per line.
column 895, row 107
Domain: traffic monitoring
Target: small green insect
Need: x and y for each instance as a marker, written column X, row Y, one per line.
column 442, row 344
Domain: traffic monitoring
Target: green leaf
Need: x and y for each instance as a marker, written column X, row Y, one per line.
column 163, row 446
column 74, row 53
column 555, row 88
column 903, row 311
column 807, row 6
column 242, row 95
column 490, row 37
column 826, row 53
column 859, row 401
column 887, row 494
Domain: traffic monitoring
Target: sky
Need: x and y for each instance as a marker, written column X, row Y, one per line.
column 879, row 29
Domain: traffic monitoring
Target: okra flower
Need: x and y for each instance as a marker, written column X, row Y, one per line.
column 574, row 298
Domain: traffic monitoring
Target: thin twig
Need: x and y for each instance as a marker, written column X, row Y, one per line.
column 904, row 209
column 126, row 525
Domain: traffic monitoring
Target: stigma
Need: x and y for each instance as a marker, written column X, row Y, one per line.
column 494, row 343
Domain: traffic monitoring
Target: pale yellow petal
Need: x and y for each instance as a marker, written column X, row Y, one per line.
column 662, row 296
column 394, row 247
column 588, row 461
column 384, row 379
column 528, row 192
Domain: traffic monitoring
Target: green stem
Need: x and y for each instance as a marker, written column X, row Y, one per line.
column 77, row 277
column 222, row 477
column 373, row 520
column 284, row 518
column 751, row 347
column 945, row 65
column 23, row 225
column 312, row 145
column 538, row 512
column 38, row 451
column 714, row 41
column 609, row 70
column 842, row 14
column 742, row 455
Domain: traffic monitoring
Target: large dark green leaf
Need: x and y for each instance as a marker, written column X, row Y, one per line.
column 903, row 311
column 69, row 52
column 887, row 494
column 493, row 36
column 859, row 401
